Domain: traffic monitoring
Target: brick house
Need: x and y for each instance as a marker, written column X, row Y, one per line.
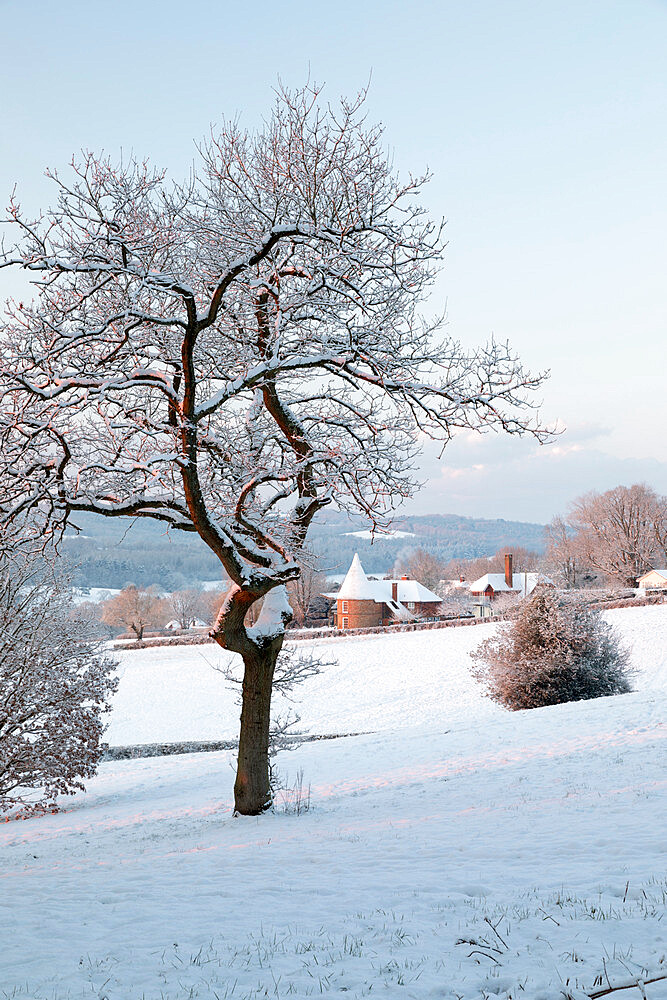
column 365, row 603
column 491, row 586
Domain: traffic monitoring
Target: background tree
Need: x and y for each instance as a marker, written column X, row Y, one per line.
column 564, row 555
column 619, row 531
column 523, row 561
column 135, row 608
column 89, row 612
column 422, row 566
column 212, row 601
column 187, row 606
column 55, row 683
column 305, row 594
column 659, row 515
column 455, row 604
column 231, row 355
column 553, row 651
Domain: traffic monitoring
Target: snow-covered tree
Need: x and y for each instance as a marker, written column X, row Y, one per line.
column 456, row 603
column 55, row 681
column 233, row 354
column 553, row 650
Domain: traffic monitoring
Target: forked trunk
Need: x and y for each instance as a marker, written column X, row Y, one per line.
column 252, row 791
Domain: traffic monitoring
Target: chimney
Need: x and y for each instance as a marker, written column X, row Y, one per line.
column 394, row 591
column 508, row 569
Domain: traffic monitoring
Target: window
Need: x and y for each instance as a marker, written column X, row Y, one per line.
column 344, row 607
column 346, row 623
column 411, row 605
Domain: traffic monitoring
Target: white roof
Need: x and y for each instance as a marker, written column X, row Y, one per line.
column 358, row 587
column 411, row 590
column 194, row 623
column 522, row 583
column 658, row 572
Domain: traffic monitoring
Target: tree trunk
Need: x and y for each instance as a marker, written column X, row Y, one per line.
column 252, row 791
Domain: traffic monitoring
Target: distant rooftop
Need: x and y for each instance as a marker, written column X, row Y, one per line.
column 522, row 583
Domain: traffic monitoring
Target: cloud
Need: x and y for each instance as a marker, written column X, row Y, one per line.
column 448, row 473
column 502, row 476
column 558, row 451
column 583, row 432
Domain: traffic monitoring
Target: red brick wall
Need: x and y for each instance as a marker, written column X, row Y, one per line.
column 359, row 614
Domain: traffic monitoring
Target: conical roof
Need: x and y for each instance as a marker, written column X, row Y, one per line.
column 356, row 586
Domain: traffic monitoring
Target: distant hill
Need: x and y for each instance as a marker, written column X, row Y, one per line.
column 111, row 553
column 335, row 538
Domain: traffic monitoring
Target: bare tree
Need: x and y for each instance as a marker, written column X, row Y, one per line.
column 423, row 566
column 660, row 528
column 231, row 355
column 618, row 532
column 55, row 682
column 523, row 561
column 456, row 569
column 89, row 612
column 135, row 608
column 564, row 552
column 304, row 593
column 212, row 601
column 187, row 606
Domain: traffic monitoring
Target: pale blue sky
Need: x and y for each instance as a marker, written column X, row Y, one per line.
column 544, row 125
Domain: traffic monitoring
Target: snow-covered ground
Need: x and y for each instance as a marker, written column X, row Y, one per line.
column 93, row 594
column 454, row 851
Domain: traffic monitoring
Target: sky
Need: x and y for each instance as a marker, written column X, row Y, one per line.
column 543, row 125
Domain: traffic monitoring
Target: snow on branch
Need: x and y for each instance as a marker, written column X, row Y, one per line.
column 232, row 354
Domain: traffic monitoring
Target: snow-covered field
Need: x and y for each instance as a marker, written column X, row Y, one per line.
column 454, row 851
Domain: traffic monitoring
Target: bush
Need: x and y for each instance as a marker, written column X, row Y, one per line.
column 55, row 681
column 555, row 650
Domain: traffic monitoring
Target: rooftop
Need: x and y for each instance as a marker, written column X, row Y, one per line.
column 358, row 587
column 522, row 583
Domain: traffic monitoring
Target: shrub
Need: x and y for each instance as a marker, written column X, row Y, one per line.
column 555, row 650
column 55, row 680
